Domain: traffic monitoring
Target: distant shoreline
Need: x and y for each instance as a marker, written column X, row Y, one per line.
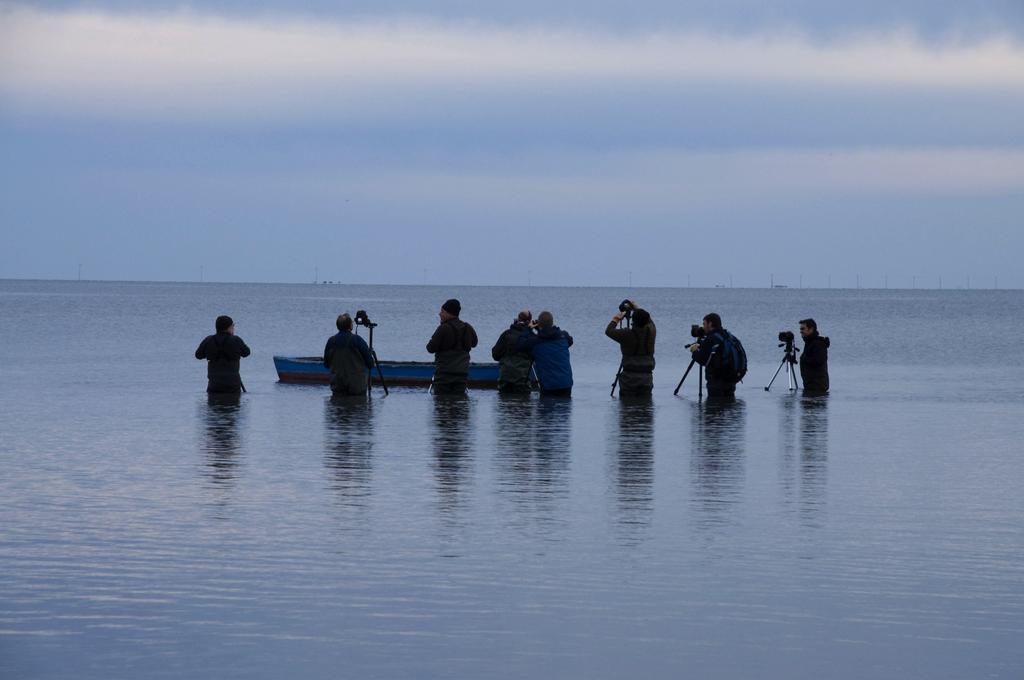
column 331, row 284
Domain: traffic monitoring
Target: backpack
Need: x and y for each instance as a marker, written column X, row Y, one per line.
column 732, row 357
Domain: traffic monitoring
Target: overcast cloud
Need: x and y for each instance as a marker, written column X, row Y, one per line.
column 456, row 145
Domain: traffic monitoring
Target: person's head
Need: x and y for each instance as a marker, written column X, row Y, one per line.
column 545, row 319
column 712, row 322
column 808, row 327
column 224, row 324
column 450, row 310
column 525, row 317
column 344, row 322
column 641, row 317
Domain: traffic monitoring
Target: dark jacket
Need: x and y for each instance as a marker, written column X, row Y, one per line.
column 709, row 356
column 348, row 357
column 549, row 348
column 222, row 353
column 450, row 346
column 814, row 363
column 637, row 345
column 514, row 367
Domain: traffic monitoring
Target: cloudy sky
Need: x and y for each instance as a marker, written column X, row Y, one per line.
column 465, row 142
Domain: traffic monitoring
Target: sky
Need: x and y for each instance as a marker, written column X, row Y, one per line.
column 573, row 143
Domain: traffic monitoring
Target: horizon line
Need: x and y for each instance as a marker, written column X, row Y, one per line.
column 499, row 285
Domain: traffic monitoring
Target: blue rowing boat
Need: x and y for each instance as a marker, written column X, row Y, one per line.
column 311, row 371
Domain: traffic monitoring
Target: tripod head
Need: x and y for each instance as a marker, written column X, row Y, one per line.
column 786, row 339
column 363, row 320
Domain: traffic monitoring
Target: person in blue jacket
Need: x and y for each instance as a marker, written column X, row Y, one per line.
column 549, row 347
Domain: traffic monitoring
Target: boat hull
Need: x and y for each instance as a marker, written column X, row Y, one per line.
column 311, row 371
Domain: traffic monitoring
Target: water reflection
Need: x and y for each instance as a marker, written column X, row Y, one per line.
column 532, row 454
column 787, row 444
column 348, row 447
column 717, row 455
column 634, row 464
column 813, row 453
column 803, row 451
column 452, row 445
column 221, row 440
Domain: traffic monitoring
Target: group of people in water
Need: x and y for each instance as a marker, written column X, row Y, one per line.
column 531, row 351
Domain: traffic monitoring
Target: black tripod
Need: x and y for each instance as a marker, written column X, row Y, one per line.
column 788, row 358
column 373, row 353
column 629, row 324
column 700, row 373
column 700, row 379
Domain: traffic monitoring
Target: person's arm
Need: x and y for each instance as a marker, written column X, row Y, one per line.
column 243, row 349
column 201, row 350
column 329, row 352
column 526, row 341
column 364, row 351
column 705, row 347
column 500, row 347
column 814, row 355
column 473, row 340
column 436, row 343
column 615, row 333
column 568, row 338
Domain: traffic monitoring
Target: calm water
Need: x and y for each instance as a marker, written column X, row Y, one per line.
column 145, row 532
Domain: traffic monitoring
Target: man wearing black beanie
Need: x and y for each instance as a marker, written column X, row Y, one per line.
column 450, row 346
column 222, row 352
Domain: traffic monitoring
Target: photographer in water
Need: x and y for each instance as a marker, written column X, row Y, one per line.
column 636, row 341
column 513, row 366
column 450, row 344
column 549, row 348
column 722, row 356
column 349, row 359
column 814, row 361
column 222, row 352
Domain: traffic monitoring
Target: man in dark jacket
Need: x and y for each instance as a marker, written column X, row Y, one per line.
column 636, row 377
column 814, row 361
column 450, row 346
column 348, row 357
column 222, row 352
column 708, row 352
column 514, row 367
column 549, row 347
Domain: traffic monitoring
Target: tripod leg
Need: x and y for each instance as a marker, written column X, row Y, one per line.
column 700, row 383
column 380, row 374
column 769, row 387
column 683, row 379
column 615, row 384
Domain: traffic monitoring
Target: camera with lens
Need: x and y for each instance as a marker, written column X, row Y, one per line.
column 626, row 307
column 786, row 337
column 363, row 320
column 697, row 331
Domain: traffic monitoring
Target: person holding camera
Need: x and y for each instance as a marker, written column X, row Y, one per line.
column 349, row 359
column 549, row 348
column 223, row 352
column 450, row 345
column 814, row 361
column 722, row 356
column 513, row 367
column 636, row 374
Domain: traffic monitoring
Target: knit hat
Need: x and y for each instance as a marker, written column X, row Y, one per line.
column 452, row 306
column 223, row 323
